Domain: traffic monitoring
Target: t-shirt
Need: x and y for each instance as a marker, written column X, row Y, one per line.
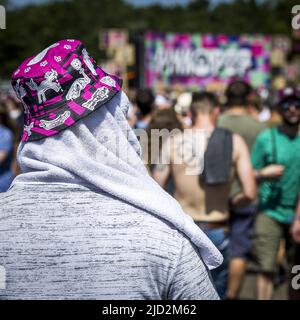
column 245, row 126
column 6, row 145
column 278, row 198
column 64, row 241
column 242, row 124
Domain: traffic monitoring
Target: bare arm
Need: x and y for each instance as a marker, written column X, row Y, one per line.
column 270, row 172
column 264, row 171
column 244, row 171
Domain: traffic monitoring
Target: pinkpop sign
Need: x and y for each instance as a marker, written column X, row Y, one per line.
column 196, row 60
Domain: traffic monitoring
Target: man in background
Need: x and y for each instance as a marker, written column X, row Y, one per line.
column 205, row 197
column 237, row 120
column 276, row 158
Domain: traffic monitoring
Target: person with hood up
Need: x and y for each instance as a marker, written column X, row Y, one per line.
column 84, row 220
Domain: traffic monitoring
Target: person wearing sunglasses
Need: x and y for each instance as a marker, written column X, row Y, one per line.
column 276, row 159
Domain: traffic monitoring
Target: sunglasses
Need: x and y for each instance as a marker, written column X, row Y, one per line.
column 290, row 103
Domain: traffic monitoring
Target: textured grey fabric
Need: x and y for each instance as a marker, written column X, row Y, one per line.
column 62, row 237
column 101, row 151
column 63, row 241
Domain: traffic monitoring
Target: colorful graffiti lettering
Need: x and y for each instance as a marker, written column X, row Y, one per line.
column 196, row 60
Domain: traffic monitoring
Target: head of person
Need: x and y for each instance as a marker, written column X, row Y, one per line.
column 289, row 106
column 60, row 86
column 145, row 100
column 76, row 132
column 254, row 105
column 205, row 104
column 165, row 119
column 237, row 94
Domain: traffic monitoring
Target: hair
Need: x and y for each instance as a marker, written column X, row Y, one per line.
column 203, row 103
column 162, row 119
column 165, row 119
column 144, row 101
column 237, row 93
column 6, row 121
column 254, row 101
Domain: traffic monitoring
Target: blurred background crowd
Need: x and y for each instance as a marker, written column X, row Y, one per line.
column 231, row 68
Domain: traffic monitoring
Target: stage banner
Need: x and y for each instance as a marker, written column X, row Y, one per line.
column 202, row 60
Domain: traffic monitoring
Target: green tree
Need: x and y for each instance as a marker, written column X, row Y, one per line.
column 32, row 28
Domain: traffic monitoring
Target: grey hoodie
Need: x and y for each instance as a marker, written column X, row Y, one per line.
column 85, row 220
column 95, row 247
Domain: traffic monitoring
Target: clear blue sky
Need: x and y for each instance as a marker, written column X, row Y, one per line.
column 136, row 2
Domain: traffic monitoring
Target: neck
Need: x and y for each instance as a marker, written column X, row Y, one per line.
column 204, row 122
column 237, row 110
column 289, row 130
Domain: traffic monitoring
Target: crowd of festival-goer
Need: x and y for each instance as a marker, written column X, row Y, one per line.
column 245, row 197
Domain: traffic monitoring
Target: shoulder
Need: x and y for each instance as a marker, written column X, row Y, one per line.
column 257, row 125
column 166, row 242
column 237, row 140
column 162, row 231
column 262, row 125
column 264, row 135
column 223, row 131
column 224, row 117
